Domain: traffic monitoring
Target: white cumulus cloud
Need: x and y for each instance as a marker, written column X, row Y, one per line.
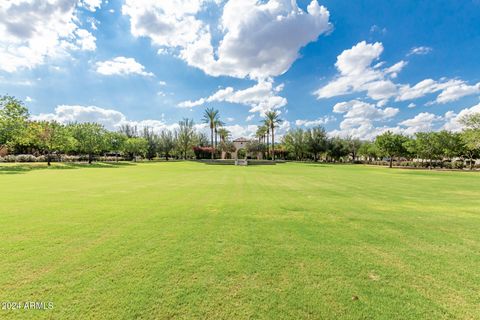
column 356, row 74
column 252, row 32
column 453, row 118
column 316, row 122
column 91, row 5
column 32, row 31
column 422, row 122
column 360, row 119
column 122, row 66
column 420, row 50
column 261, row 97
column 110, row 118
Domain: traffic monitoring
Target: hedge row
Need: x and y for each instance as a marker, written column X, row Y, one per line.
column 417, row 164
column 55, row 158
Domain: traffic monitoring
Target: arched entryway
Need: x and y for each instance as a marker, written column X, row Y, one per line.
column 241, row 153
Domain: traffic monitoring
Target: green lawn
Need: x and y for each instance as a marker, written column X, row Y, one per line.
column 195, row 241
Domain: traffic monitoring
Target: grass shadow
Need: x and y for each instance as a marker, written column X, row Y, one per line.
column 27, row 167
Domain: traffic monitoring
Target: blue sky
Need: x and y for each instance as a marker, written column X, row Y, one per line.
column 356, row 67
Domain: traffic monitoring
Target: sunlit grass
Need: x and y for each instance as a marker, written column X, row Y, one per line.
column 189, row 240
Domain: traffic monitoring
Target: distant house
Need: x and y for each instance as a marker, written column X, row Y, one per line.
column 241, row 150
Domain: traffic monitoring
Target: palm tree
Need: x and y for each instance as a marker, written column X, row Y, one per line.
column 273, row 120
column 260, row 134
column 223, row 134
column 266, row 126
column 218, row 124
column 210, row 116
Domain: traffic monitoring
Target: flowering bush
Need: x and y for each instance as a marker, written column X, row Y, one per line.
column 25, row 158
column 202, row 152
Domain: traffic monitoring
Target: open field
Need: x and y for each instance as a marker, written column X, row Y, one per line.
column 189, row 240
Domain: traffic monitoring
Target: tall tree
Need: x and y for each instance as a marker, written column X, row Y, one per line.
column 471, row 121
column 316, row 140
column 13, row 120
column 210, row 117
column 391, row 145
column 166, row 143
column 272, row 119
column 295, row 143
column 471, row 136
column 129, row 130
column 450, row 144
column 185, row 137
column 353, row 145
column 260, row 133
column 218, row 125
column 223, row 134
column 152, row 140
column 201, row 139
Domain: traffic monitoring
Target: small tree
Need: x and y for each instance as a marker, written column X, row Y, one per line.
column 54, row 137
column 471, row 140
column 368, row 150
column 90, row 138
column 114, row 142
column 427, row 146
column 337, row 148
column 391, row 145
column 450, row 144
column 471, row 136
column 135, row 147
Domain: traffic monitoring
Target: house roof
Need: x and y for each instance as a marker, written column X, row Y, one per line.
column 241, row 139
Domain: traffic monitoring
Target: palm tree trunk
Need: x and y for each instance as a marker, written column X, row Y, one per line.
column 211, row 139
column 273, row 144
column 268, row 145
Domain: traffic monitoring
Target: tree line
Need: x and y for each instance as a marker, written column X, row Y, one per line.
column 428, row 149
column 86, row 141
column 51, row 139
